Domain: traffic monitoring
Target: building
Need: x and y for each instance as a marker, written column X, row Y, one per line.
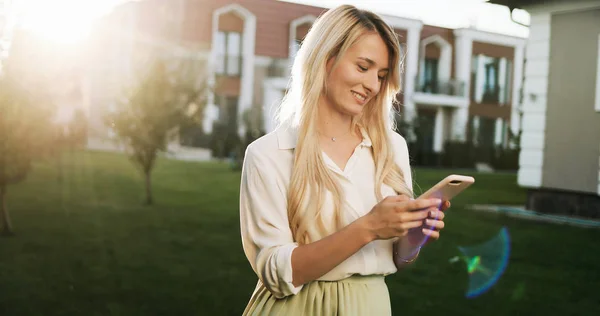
column 8, row 15
column 459, row 85
column 560, row 158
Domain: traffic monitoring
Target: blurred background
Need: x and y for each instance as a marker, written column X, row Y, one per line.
column 123, row 126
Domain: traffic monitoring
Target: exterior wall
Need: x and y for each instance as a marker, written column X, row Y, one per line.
column 444, row 33
column 490, row 111
column 470, row 43
column 535, row 92
column 272, row 22
column 501, row 109
column 537, row 105
column 230, row 22
column 560, row 152
column 571, row 203
column 492, row 50
column 572, row 125
column 462, row 46
column 269, row 28
column 302, row 30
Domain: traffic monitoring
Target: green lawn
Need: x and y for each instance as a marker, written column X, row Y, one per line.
column 86, row 246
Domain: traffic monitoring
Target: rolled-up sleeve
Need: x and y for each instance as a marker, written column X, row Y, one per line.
column 266, row 235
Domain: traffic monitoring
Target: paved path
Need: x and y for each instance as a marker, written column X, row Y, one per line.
column 519, row 211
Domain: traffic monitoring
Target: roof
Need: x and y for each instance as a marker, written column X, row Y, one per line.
column 520, row 4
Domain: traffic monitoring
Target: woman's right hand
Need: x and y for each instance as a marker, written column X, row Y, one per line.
column 394, row 216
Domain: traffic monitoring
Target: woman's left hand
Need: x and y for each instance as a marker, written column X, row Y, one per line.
column 431, row 228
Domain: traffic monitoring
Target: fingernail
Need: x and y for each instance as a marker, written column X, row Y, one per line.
column 437, row 201
column 432, row 214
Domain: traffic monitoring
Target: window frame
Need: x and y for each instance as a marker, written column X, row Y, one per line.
column 597, row 101
column 224, row 58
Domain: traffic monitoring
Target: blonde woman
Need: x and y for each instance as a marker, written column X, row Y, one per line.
column 326, row 206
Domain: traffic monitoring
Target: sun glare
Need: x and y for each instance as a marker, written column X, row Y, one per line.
column 62, row 21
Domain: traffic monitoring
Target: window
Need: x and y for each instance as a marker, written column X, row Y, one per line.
column 430, row 75
column 229, row 53
column 228, row 109
column 491, row 79
column 295, row 48
column 507, row 84
column 402, row 54
column 491, row 87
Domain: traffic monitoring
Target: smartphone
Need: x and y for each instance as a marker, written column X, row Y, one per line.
column 448, row 188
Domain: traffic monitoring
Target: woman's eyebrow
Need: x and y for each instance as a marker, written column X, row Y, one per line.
column 371, row 62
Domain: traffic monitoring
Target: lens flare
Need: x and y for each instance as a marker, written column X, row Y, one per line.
column 485, row 262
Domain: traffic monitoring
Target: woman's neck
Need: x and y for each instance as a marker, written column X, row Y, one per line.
column 333, row 123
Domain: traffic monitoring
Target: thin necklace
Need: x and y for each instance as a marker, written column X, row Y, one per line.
column 333, row 139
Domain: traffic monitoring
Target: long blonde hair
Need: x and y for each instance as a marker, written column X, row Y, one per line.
column 330, row 37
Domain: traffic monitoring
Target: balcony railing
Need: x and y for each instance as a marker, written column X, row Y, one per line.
column 451, row 87
column 278, row 69
column 228, row 65
column 491, row 95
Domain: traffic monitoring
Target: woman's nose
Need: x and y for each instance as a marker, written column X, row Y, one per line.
column 371, row 83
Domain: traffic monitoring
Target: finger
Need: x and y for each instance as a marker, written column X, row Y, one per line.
column 423, row 204
column 435, row 214
column 398, row 198
column 434, row 224
column 431, row 233
column 410, row 225
column 445, row 205
column 413, row 216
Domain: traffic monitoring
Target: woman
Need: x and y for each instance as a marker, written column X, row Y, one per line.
column 326, row 204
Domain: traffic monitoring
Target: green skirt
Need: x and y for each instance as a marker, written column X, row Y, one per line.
column 357, row 295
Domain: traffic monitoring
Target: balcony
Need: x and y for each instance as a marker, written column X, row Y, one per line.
column 279, row 69
column 497, row 95
column 450, row 87
column 228, row 65
column 450, row 92
column 491, row 95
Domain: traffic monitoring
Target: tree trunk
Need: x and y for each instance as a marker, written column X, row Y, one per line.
column 149, row 200
column 6, row 224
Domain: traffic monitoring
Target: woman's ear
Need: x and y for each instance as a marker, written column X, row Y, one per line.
column 329, row 65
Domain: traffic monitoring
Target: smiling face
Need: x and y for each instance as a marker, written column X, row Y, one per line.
column 358, row 76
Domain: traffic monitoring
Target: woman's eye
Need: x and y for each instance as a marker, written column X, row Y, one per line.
column 362, row 68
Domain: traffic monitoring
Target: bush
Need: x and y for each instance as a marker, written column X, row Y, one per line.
column 458, row 155
column 465, row 155
column 194, row 136
column 224, row 141
column 78, row 129
column 250, row 136
column 506, row 159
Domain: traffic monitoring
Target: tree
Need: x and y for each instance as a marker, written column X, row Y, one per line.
column 170, row 94
column 26, row 134
column 27, row 131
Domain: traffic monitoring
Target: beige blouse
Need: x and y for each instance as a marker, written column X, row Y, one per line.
column 266, row 237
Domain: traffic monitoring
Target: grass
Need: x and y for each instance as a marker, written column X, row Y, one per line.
column 86, row 246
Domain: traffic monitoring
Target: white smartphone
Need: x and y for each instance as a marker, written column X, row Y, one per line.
column 448, row 188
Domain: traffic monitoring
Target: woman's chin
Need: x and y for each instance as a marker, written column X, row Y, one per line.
column 355, row 111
